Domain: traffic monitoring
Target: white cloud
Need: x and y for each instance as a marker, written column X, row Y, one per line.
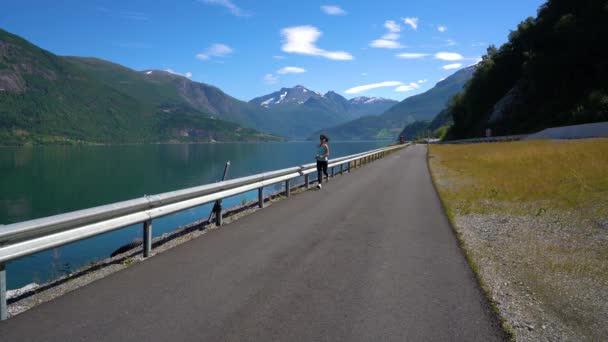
column 391, row 36
column 333, row 10
column 385, row 44
column 270, row 79
column 363, row 74
column 413, row 22
column 442, row 28
column 452, row 66
column 228, row 4
column 392, row 26
column 449, row 56
column 450, row 42
column 279, row 57
column 215, row 50
column 422, row 81
column 290, row 70
column 187, row 74
column 412, row 55
column 301, row 40
column 363, row 88
column 408, row 87
column 389, row 40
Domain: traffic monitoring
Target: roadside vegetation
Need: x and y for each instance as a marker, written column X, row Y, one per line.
column 533, row 220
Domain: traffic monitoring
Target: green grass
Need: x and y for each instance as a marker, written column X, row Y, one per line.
column 552, row 194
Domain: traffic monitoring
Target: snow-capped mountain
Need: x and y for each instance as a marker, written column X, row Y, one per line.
column 330, row 102
column 296, row 95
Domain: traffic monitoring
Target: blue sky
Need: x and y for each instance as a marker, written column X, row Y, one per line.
column 392, row 48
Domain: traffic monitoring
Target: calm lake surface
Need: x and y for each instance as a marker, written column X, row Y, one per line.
column 42, row 181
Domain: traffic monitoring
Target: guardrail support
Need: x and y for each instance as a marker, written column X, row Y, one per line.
column 306, row 181
column 3, row 306
column 217, row 208
column 332, row 171
column 147, row 238
column 341, row 169
column 261, row 197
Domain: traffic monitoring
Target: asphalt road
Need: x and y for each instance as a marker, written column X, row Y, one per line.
column 370, row 257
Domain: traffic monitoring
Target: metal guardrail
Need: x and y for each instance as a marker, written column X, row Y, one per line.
column 25, row 238
column 483, row 140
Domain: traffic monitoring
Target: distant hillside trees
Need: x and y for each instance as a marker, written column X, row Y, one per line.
column 553, row 71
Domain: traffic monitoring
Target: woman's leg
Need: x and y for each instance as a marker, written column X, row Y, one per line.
column 319, row 168
column 325, row 169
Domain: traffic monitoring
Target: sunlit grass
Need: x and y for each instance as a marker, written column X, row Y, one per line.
column 534, row 212
column 557, row 174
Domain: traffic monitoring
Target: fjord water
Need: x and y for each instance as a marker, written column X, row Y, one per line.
column 42, row 181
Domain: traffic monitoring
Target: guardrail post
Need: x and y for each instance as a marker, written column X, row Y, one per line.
column 3, row 305
column 147, row 238
column 261, row 197
column 287, row 189
column 332, row 171
column 341, row 169
column 306, row 181
column 218, row 213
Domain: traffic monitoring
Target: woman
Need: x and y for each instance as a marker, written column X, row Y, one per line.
column 322, row 157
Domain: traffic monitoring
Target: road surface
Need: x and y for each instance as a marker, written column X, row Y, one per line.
column 370, row 257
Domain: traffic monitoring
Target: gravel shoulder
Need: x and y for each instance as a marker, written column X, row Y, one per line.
column 543, row 265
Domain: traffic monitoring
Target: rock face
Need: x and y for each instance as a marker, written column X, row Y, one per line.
column 504, row 106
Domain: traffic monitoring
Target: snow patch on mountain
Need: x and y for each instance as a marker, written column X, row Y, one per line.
column 267, row 102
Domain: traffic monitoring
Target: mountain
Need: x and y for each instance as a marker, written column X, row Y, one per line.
column 436, row 128
column 299, row 111
column 295, row 95
column 46, row 98
column 551, row 72
column 389, row 124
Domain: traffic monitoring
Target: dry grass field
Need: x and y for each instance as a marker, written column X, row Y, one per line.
column 532, row 217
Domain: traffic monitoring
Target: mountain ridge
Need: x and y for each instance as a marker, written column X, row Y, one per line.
column 389, row 124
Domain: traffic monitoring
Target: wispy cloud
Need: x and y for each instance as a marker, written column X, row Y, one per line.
column 450, row 42
column 187, row 74
column 362, row 88
column 229, row 5
column 412, row 55
column 333, row 10
column 407, row 87
column 422, row 81
column 452, row 66
column 413, row 22
column 392, row 26
column 389, row 40
column 278, row 57
column 301, row 40
column 386, row 44
column 290, row 70
column 442, row 28
column 448, row 56
column 270, row 79
column 215, row 50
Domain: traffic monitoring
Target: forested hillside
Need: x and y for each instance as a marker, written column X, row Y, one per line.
column 46, row 98
column 553, row 71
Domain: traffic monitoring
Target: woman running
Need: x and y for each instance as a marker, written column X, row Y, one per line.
column 322, row 157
